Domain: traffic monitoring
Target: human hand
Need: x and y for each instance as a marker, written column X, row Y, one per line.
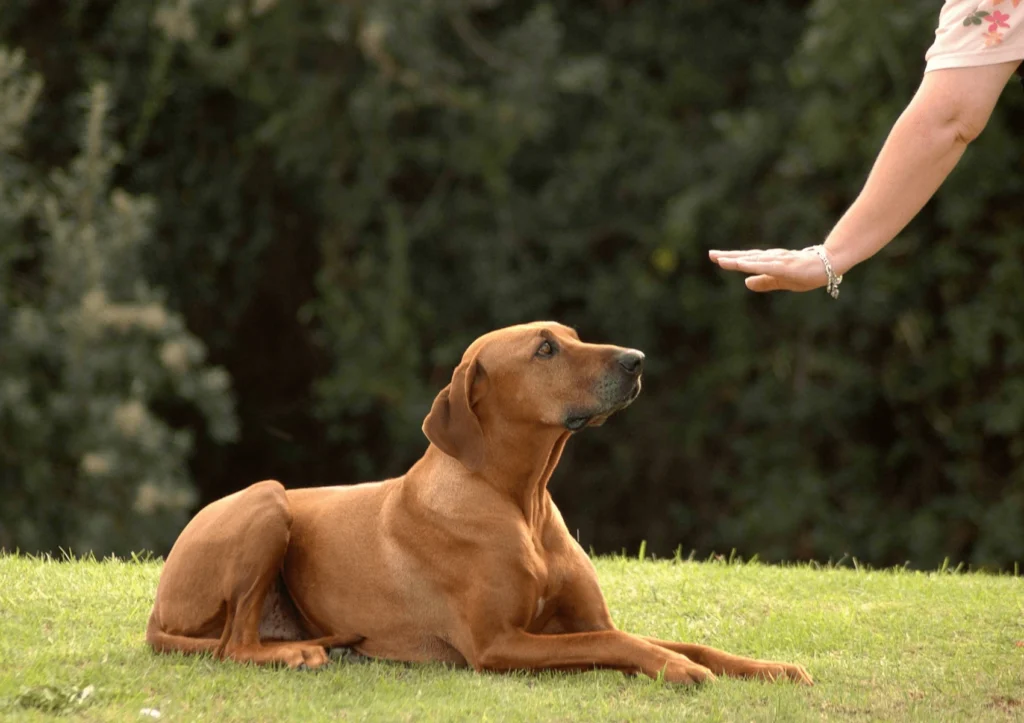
column 775, row 269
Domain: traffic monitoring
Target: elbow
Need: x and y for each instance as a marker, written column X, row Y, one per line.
column 966, row 116
column 955, row 104
column 957, row 123
column 967, row 126
column 946, row 128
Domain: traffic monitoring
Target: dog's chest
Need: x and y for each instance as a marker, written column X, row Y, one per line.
column 550, row 589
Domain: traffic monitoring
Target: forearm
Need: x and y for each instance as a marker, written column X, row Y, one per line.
column 949, row 110
column 913, row 163
column 924, row 146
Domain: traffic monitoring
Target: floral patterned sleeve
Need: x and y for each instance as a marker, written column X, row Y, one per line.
column 973, row 32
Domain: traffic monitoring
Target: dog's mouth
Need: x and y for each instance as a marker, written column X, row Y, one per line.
column 575, row 423
column 577, row 420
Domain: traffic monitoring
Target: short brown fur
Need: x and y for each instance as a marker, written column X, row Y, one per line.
column 464, row 559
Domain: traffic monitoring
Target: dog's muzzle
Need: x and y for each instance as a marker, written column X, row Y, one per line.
column 616, row 391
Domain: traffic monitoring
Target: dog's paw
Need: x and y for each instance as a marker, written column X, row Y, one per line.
column 782, row 671
column 314, row 656
column 687, row 673
column 303, row 657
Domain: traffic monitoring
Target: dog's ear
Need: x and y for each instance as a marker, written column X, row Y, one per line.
column 452, row 426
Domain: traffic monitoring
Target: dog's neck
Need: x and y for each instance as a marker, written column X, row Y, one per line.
column 521, row 466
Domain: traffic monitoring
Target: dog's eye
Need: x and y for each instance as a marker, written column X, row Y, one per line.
column 546, row 350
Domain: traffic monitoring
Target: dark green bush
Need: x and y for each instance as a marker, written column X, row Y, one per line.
column 90, row 353
column 348, row 193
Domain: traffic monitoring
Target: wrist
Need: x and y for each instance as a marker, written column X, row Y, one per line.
column 842, row 259
column 833, row 279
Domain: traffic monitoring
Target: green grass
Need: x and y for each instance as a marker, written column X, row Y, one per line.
column 882, row 645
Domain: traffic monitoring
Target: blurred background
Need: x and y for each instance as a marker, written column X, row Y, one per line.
column 249, row 239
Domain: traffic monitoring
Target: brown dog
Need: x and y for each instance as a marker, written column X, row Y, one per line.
column 465, row 559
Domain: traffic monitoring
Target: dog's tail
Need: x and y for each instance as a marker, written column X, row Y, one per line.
column 162, row 642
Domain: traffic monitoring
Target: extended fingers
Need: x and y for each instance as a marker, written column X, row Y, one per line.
column 754, row 261
column 762, row 264
column 716, row 254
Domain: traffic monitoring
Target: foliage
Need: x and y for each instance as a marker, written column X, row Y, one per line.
column 91, row 355
column 348, row 193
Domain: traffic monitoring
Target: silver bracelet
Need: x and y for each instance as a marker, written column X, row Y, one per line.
column 833, row 279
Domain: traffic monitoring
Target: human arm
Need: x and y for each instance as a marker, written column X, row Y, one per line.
column 949, row 110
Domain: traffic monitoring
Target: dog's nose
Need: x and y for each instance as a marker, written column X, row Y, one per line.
column 632, row 361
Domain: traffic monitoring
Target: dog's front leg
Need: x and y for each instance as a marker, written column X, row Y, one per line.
column 722, row 663
column 519, row 650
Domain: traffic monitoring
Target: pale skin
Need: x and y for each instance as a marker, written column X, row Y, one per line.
column 949, row 110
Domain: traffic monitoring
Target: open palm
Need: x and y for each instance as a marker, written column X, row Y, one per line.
column 775, row 269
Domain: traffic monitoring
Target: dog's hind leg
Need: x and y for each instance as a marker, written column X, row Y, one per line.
column 213, row 586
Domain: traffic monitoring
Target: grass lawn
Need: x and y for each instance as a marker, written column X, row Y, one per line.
column 881, row 645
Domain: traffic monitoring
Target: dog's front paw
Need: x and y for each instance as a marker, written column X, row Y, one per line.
column 687, row 673
column 781, row 671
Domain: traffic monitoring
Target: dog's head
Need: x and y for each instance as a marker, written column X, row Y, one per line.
column 537, row 374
